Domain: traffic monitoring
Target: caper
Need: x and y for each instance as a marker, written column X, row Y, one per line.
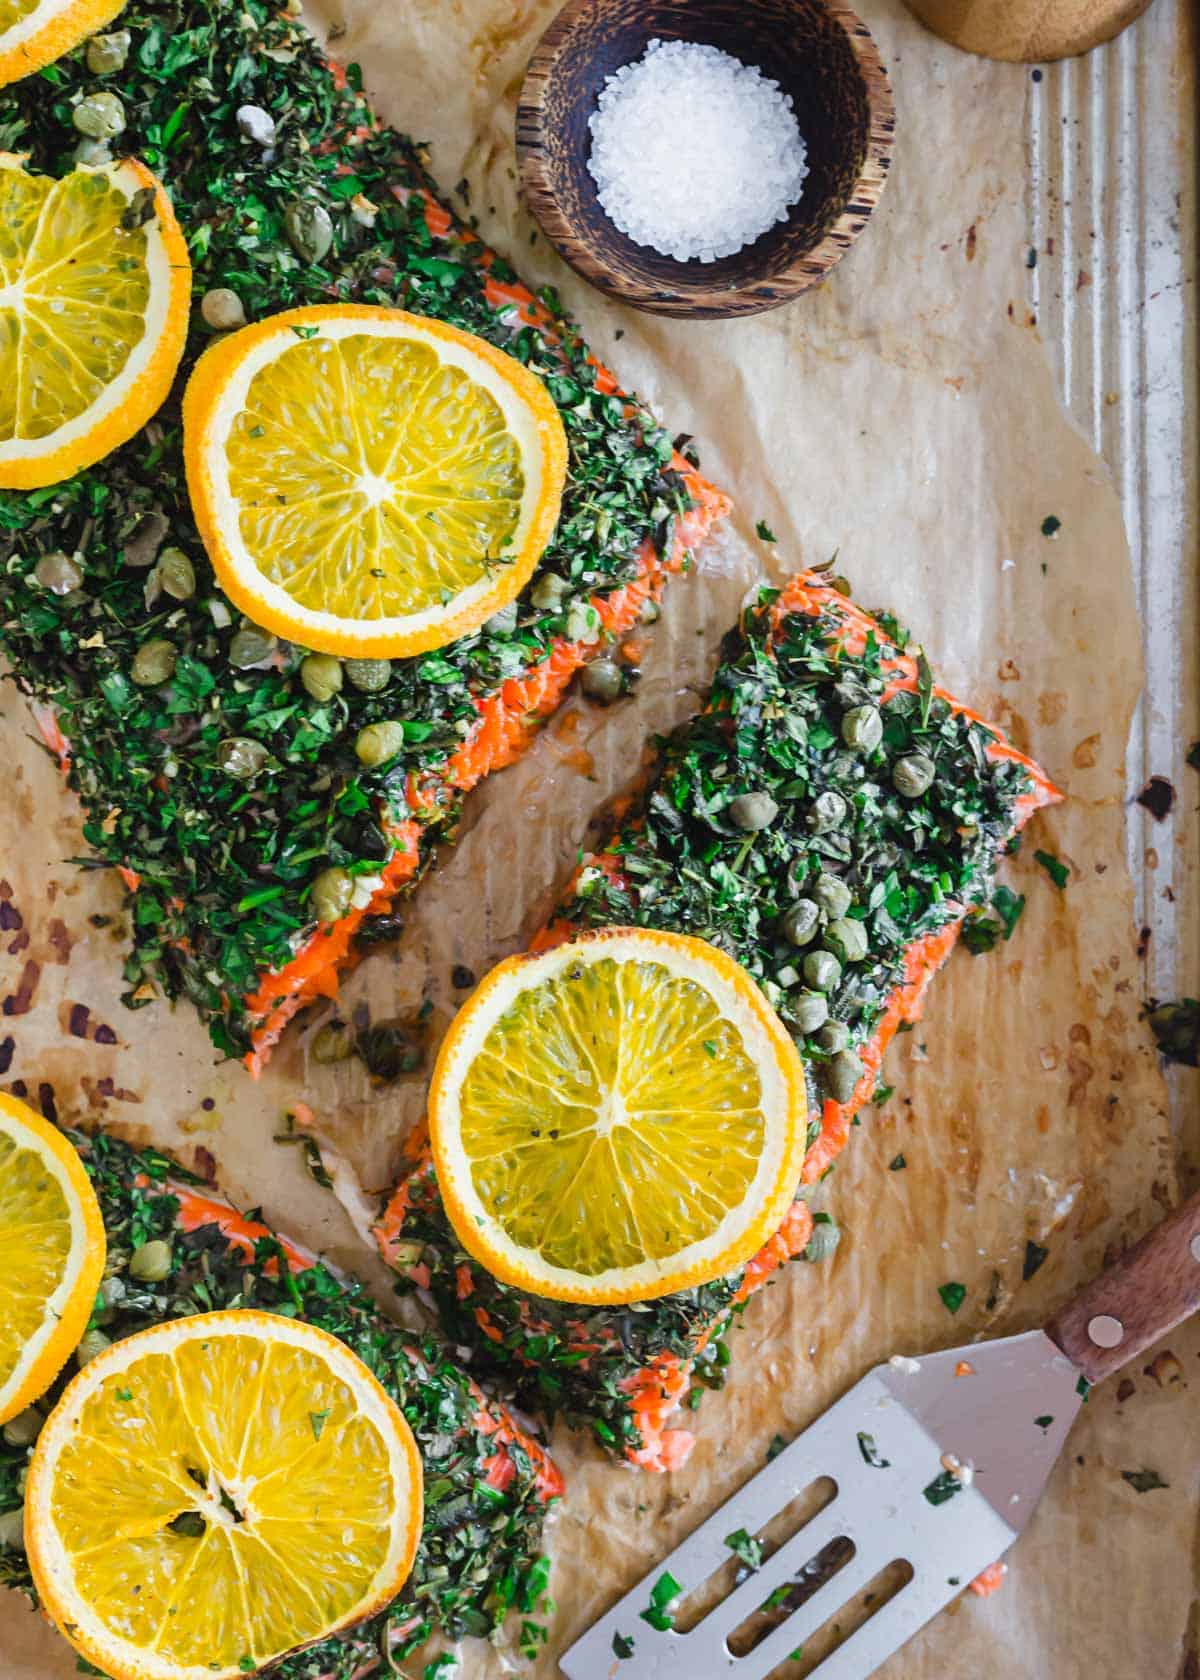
column 862, row 729
column 222, row 310
column 583, row 622
column 827, row 811
column 650, row 612
column 93, row 1342
column 144, row 541
column 153, row 663
column 24, row 1429
column 92, row 152
column 106, row 53
column 241, row 757
column 151, row 1261
column 847, row 940
column 256, row 124
column 101, row 116
column 752, row 811
column 58, row 573
column 390, row 1048
column 333, row 1043
column 832, row 895
column 251, row 646
column 842, row 1074
column 824, row 1240
column 550, row 591
column 321, row 675
column 369, row 676
column 504, row 622
column 799, row 925
column 378, row 742
column 309, row 229
column 176, row 574
column 331, row 894
column 811, row 1011
column 602, row 681
column 12, row 1530
column 832, row 1037
column 822, row 970
column 913, row 776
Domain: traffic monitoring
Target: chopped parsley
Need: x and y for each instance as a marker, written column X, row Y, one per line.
column 1057, row 870
column 870, row 1452
column 953, row 1295
column 663, row 1595
column 1144, row 1481
column 897, row 1163
column 622, row 1645
column 764, row 532
column 942, row 1488
column 746, row 1548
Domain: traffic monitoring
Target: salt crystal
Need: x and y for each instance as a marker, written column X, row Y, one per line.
column 694, row 153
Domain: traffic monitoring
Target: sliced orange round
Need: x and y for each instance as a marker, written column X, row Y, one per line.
column 618, row 1118
column 51, row 1253
column 215, row 1491
column 368, row 482
column 94, row 295
column 33, row 33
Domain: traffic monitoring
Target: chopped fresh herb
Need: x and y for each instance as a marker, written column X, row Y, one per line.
column 897, row 1163
column 1044, row 1421
column 1192, row 757
column 317, row 1422
column 622, row 1645
column 710, row 1047
column 663, row 1594
column 1058, row 871
column 882, row 1094
column 247, row 1665
column 980, row 933
column 124, row 1394
column 953, row 1295
column 1009, row 906
column 867, row 1447
column 1051, row 525
column 442, row 1665
column 775, row 1447
column 1083, row 1388
column 942, row 1488
column 1035, row 1256
column 743, row 1546
column 1143, row 1481
column 764, row 532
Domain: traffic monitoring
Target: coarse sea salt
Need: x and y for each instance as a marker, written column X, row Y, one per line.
column 694, row 153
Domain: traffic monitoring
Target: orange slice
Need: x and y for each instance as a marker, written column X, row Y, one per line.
column 215, row 1491
column 94, row 289
column 368, row 482
column 618, row 1118
column 33, row 33
column 51, row 1253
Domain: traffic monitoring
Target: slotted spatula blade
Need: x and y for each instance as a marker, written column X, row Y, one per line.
column 882, row 1445
column 936, row 1463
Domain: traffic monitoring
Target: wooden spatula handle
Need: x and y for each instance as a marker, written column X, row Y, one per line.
column 1151, row 1289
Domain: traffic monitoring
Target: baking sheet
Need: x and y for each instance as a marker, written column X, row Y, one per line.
column 907, row 415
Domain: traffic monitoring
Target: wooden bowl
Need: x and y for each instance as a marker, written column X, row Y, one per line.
column 817, row 50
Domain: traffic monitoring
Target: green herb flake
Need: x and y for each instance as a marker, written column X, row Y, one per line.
column 897, row 1163
column 775, row 1447
column 1143, row 1481
column 1044, row 1421
column 124, row 1394
column 764, row 532
column 622, row 1645
column 870, row 1452
column 317, row 1422
column 953, row 1295
column 663, row 1595
column 1058, row 871
column 942, row 1488
column 745, row 1548
column 1051, row 525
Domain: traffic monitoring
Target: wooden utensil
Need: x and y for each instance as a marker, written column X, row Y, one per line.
column 817, row 50
column 1029, row 30
column 936, row 1465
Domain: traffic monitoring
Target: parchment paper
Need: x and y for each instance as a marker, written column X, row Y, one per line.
column 904, row 416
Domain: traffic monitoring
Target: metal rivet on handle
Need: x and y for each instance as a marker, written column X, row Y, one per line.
column 1106, row 1331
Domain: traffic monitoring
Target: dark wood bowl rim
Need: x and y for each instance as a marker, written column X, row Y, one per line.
column 806, row 270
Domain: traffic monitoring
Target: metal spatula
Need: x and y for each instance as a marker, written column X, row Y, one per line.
column 937, row 1463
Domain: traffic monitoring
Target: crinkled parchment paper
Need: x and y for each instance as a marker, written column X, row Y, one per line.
column 904, row 416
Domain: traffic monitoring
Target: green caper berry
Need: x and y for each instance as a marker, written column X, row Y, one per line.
column 832, row 1037
column 862, row 729
column 832, row 895
column 12, row 1530
column 106, row 53
column 143, row 542
column 549, row 592
column 649, row 613
column 58, row 573
column 378, row 742
column 251, row 646
column 24, row 1429
column 503, row 622
column 153, row 663
column 331, row 894
column 321, row 675
column 177, row 574
column 151, row 1261
column 811, row 1011
column 826, row 812
column 842, row 1074
column 368, row 676
column 913, row 776
column 241, row 757
column 847, row 940
column 824, row 1240
column 822, row 970
column 101, row 116
column 799, row 925
column 93, row 1343
column 222, row 310
column 309, row 229
column 333, row 1043
column 602, row 681
column 752, row 811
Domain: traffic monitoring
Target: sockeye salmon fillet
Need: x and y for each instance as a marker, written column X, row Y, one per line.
column 817, row 706
column 219, row 864
column 488, row 1484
